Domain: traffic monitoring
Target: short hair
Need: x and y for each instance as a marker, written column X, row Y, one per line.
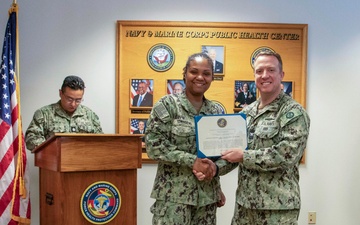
column 192, row 58
column 177, row 82
column 73, row 82
column 271, row 53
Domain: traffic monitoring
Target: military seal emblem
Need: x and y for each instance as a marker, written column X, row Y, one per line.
column 257, row 51
column 161, row 57
column 100, row 202
column 221, row 106
column 222, row 122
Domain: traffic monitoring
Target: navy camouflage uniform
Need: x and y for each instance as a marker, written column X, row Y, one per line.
column 170, row 139
column 53, row 119
column 268, row 182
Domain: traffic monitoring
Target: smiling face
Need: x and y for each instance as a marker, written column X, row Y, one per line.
column 198, row 77
column 141, row 88
column 268, row 75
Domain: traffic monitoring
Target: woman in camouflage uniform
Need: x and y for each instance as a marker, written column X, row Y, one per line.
column 170, row 140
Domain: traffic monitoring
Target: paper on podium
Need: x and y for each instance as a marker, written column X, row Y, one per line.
column 217, row 133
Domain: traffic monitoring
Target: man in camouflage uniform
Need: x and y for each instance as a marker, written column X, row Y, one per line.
column 65, row 116
column 170, row 139
column 278, row 127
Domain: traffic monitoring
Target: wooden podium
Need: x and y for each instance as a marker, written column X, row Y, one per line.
column 70, row 163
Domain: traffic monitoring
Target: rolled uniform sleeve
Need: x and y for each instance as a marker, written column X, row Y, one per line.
column 35, row 135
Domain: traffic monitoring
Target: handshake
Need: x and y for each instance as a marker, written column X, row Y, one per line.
column 205, row 169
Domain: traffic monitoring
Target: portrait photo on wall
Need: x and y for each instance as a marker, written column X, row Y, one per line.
column 175, row 86
column 245, row 93
column 287, row 87
column 138, row 126
column 217, row 54
column 141, row 92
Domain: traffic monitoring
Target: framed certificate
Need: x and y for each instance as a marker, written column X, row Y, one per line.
column 217, row 133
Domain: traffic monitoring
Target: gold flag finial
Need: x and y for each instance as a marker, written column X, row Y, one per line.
column 13, row 8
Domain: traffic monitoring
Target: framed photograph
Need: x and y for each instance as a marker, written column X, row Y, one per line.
column 288, row 87
column 217, row 54
column 138, row 126
column 245, row 93
column 141, row 92
column 175, row 86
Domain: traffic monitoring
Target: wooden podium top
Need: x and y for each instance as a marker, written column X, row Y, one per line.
column 68, row 152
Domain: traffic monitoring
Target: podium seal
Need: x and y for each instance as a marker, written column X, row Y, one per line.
column 100, row 202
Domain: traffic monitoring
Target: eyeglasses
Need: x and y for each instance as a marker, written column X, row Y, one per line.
column 71, row 100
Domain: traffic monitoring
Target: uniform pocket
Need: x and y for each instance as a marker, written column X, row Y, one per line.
column 267, row 129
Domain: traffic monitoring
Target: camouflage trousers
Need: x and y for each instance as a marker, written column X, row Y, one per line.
column 244, row 216
column 170, row 213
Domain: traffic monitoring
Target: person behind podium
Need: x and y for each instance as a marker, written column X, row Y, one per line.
column 65, row 116
column 180, row 198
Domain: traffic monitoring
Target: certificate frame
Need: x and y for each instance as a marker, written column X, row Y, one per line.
column 217, row 133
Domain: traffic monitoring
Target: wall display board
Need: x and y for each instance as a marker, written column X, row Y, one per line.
column 150, row 56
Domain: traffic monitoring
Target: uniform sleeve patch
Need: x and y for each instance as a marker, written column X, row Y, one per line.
column 161, row 112
column 289, row 115
column 293, row 114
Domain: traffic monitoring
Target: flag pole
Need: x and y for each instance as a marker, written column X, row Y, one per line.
column 19, row 173
column 19, row 169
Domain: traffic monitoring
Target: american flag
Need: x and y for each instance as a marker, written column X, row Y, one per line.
column 134, row 125
column 134, row 85
column 238, row 87
column 14, row 172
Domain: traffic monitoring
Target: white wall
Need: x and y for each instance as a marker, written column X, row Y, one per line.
column 62, row 37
